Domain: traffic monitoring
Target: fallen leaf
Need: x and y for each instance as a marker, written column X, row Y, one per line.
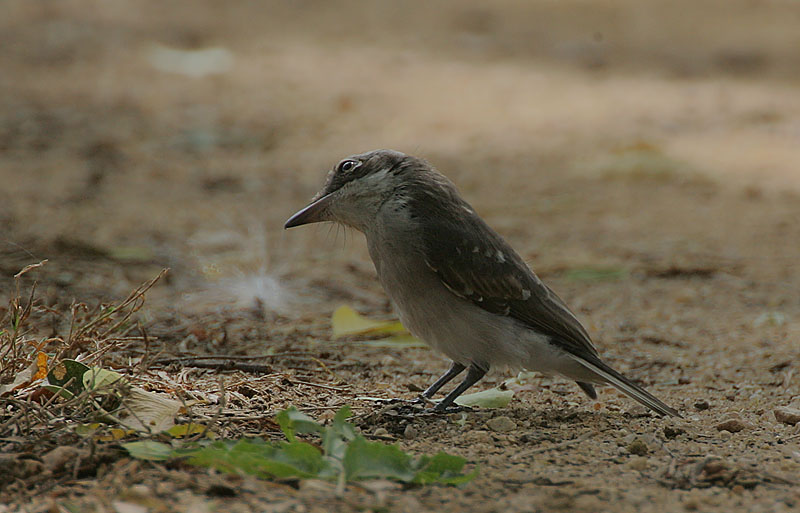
column 69, row 373
column 22, row 379
column 492, row 398
column 96, row 378
column 147, row 411
column 182, row 430
column 596, row 274
column 346, row 321
column 149, row 450
column 41, row 364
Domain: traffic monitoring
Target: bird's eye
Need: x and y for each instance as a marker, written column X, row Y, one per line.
column 348, row 165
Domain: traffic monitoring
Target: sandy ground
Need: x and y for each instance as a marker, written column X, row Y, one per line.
column 657, row 141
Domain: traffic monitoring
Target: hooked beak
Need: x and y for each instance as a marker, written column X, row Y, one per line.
column 313, row 213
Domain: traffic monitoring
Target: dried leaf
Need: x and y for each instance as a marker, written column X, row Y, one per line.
column 182, row 430
column 149, row 450
column 147, row 411
column 492, row 398
column 41, row 364
column 21, row 380
column 346, row 321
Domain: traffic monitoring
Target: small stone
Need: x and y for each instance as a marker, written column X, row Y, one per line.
column 702, row 405
column 714, row 466
column 672, row 432
column 381, row 432
column 316, row 485
column 636, row 410
column 410, row 432
column 140, row 490
column 639, row 464
column 501, row 424
column 637, row 447
column 733, row 425
column 787, row 415
column 60, row 457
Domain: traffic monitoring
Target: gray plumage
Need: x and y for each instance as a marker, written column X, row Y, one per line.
column 454, row 281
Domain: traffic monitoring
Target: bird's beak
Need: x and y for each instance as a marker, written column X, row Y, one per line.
column 313, row 213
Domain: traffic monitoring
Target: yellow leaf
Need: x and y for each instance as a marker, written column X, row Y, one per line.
column 41, row 364
column 181, row 430
column 346, row 321
column 114, row 434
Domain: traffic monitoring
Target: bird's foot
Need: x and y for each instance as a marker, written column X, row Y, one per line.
column 402, row 407
column 449, row 408
column 422, row 400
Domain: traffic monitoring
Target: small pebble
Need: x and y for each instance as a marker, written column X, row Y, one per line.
column 637, row 447
column 141, row 490
column 639, row 464
column 787, row 415
column 501, row 424
column 733, row 425
column 62, row 456
column 636, row 410
column 702, row 405
column 381, row 432
column 673, row 431
column 410, row 432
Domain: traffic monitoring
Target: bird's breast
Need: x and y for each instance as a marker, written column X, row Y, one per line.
column 446, row 322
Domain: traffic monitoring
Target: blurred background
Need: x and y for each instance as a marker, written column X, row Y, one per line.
column 642, row 155
column 136, row 135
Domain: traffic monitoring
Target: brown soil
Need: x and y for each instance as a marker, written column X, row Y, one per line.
column 643, row 158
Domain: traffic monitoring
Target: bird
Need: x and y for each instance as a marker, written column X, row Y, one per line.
column 455, row 282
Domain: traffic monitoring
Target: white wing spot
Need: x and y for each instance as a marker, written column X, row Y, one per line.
column 526, row 294
column 500, row 257
column 476, row 249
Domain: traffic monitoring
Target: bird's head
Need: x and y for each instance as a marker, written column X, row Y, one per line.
column 356, row 189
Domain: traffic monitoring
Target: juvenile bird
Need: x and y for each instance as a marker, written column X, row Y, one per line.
column 456, row 284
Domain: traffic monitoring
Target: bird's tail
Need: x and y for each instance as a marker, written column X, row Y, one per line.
column 626, row 386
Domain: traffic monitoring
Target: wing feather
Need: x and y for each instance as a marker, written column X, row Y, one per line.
column 475, row 263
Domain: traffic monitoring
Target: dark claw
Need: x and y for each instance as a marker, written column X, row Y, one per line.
column 450, row 408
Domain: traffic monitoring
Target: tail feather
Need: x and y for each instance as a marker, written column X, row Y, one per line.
column 588, row 389
column 626, row 386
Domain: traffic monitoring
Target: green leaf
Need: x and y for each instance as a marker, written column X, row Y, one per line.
column 258, row 458
column 596, row 274
column 149, row 450
column 492, row 398
column 347, row 456
column 336, row 437
column 445, row 468
column 370, row 460
column 293, row 421
column 67, row 372
column 96, row 378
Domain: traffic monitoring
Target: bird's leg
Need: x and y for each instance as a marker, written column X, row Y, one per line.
column 454, row 370
column 474, row 374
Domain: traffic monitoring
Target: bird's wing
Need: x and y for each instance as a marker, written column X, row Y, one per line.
column 475, row 263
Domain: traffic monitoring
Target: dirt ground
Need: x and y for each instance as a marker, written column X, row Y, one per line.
column 643, row 157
